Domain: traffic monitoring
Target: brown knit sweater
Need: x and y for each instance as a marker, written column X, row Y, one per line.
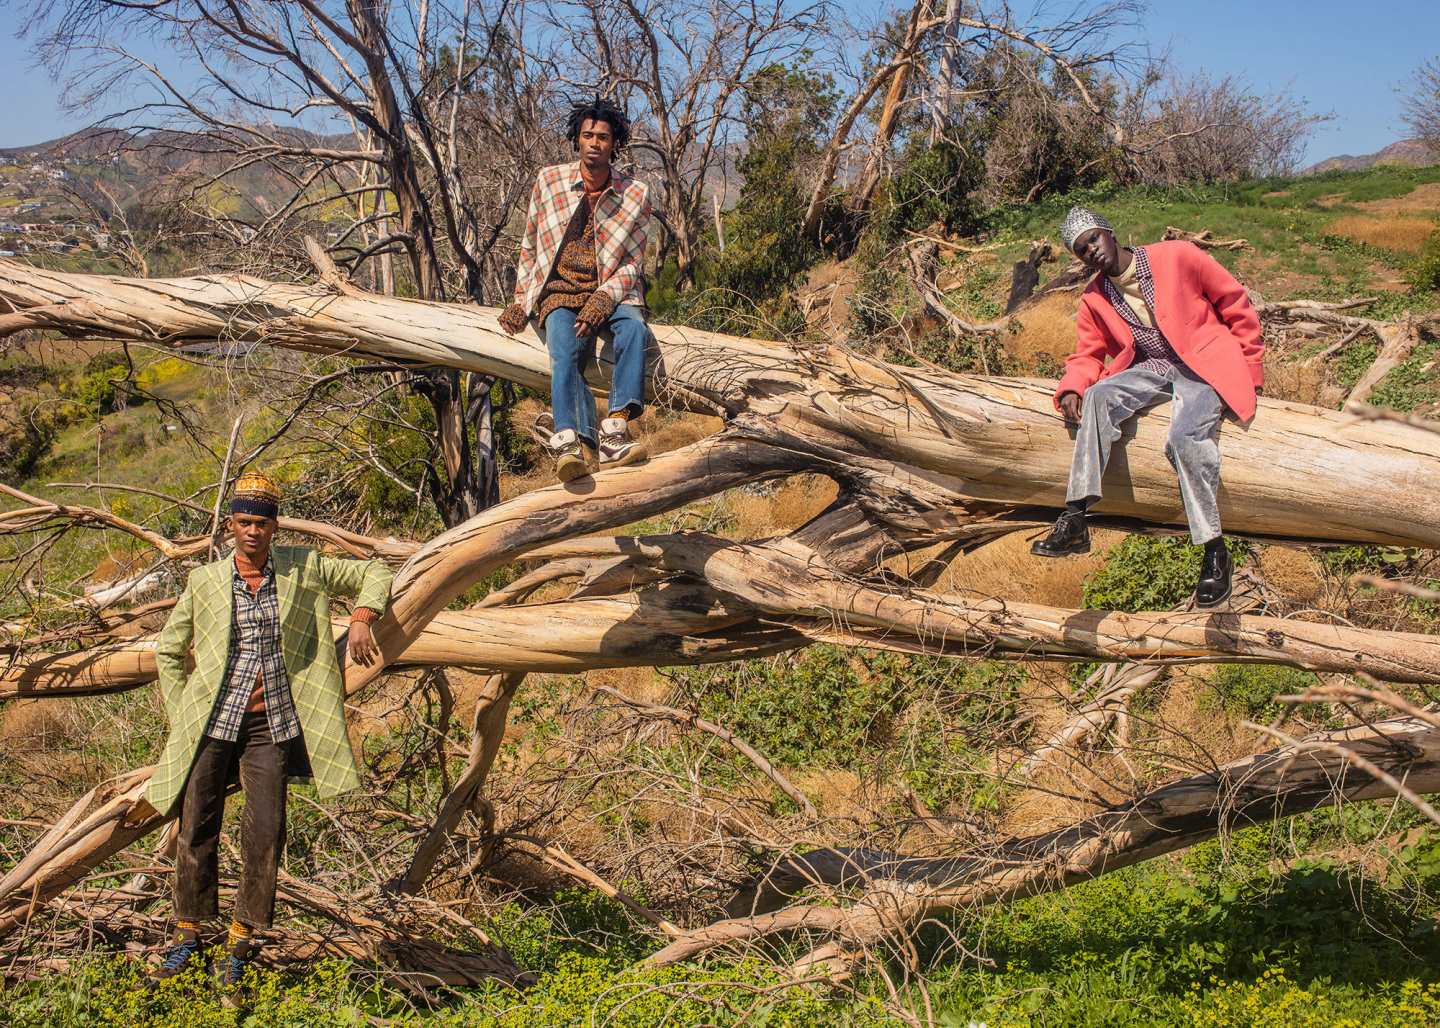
column 254, row 574
column 574, row 281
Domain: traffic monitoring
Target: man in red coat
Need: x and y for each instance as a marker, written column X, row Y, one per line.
column 1173, row 325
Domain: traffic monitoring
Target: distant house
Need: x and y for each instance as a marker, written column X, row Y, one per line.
column 11, row 226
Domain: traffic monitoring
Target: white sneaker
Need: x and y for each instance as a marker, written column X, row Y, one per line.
column 569, row 455
column 616, row 449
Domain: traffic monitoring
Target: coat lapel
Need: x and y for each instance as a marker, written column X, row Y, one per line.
column 285, row 575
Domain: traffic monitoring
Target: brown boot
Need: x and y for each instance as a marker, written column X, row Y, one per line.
column 239, row 962
column 184, row 953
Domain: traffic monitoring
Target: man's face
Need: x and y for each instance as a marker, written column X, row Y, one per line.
column 253, row 534
column 1098, row 251
column 596, row 143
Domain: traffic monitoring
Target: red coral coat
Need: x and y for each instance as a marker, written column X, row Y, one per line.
column 1202, row 311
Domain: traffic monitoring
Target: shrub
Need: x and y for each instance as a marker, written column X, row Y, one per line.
column 1149, row 573
column 1426, row 275
column 98, row 391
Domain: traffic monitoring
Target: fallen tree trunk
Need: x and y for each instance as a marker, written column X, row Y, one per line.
column 900, row 891
column 1295, row 472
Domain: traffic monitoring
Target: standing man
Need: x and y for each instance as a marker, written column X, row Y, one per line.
column 1174, row 325
column 265, row 700
column 579, row 274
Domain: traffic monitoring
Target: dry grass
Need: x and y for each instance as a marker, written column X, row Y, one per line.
column 1293, row 574
column 1302, row 382
column 1401, row 233
column 1048, row 326
column 1424, row 197
column 1006, row 568
column 640, row 683
column 757, row 516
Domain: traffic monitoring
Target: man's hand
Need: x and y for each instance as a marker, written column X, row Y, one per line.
column 509, row 330
column 583, row 330
column 1070, row 407
column 362, row 644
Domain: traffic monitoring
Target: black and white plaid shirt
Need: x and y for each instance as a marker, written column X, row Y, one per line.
column 1153, row 351
column 255, row 654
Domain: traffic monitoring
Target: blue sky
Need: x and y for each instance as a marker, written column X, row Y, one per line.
column 1341, row 57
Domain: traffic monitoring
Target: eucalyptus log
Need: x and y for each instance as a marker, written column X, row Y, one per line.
column 1295, row 472
column 899, row 891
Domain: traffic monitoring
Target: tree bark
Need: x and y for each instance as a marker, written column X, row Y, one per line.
column 969, row 446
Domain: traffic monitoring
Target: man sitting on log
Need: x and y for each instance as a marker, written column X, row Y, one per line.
column 265, row 703
column 579, row 273
column 1174, row 326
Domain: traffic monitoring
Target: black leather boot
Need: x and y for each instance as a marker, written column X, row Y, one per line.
column 1070, row 535
column 1214, row 585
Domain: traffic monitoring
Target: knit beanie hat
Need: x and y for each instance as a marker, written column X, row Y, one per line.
column 255, row 494
column 1079, row 221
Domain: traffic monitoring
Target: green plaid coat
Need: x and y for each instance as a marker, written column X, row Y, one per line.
column 305, row 581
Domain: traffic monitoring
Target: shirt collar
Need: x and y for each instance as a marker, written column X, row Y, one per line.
column 577, row 182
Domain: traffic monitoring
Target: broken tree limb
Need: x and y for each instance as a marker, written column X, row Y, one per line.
column 1396, row 342
column 899, row 891
column 1204, row 240
column 1295, row 472
column 685, row 717
column 492, row 707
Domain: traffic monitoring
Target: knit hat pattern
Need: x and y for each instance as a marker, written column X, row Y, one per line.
column 255, row 494
column 1079, row 221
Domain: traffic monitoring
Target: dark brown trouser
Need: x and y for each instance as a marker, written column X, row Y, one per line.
column 262, row 767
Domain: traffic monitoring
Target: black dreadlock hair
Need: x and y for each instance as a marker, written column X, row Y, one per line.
column 600, row 109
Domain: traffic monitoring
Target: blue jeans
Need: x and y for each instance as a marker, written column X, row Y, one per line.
column 570, row 396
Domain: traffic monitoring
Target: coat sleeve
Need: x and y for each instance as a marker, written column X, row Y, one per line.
column 173, row 646
column 1084, row 367
column 366, row 580
column 1233, row 305
column 627, row 274
column 525, row 265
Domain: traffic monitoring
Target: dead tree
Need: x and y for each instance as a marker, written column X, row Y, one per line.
column 443, row 143
column 921, row 457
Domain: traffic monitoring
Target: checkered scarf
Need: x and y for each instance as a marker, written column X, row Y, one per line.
column 1151, row 345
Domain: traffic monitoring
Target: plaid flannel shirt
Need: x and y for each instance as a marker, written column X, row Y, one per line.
column 255, row 655
column 1151, row 346
column 622, row 216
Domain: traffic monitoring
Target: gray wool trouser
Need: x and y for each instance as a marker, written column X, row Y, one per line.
column 1195, row 413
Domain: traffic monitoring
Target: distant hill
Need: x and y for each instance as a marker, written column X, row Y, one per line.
column 1406, row 151
column 149, row 168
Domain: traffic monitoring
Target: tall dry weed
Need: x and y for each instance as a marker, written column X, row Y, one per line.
column 1046, row 327
column 1006, row 568
column 1397, row 232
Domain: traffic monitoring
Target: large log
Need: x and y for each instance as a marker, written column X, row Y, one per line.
column 1295, row 472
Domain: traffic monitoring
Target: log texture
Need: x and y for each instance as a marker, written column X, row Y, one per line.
column 1295, row 472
